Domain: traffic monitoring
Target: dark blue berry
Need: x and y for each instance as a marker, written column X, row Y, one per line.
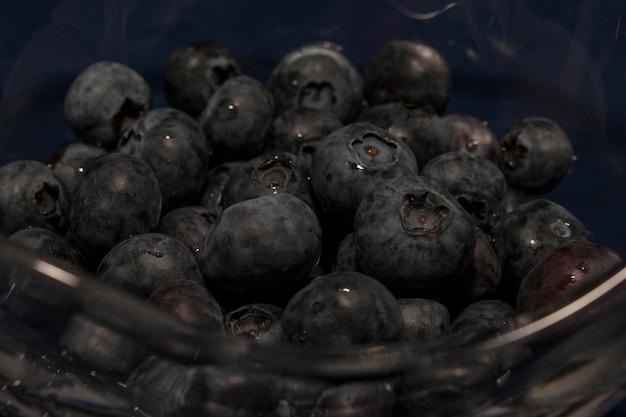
column 353, row 160
column 425, row 132
column 103, row 99
column 237, row 118
column 566, row 273
column 260, row 250
column 117, row 197
column 413, row 235
column 193, row 72
column 268, row 174
column 174, row 146
column 258, row 321
column 423, row 319
column 139, row 264
column 317, row 76
column 536, row 155
column 341, row 309
column 522, row 237
column 408, row 70
column 190, row 301
column 31, row 195
column 477, row 183
column 472, row 135
column 68, row 161
column 188, row 224
column 217, row 177
column 298, row 126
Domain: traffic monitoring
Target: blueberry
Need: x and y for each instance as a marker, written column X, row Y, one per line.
column 217, row 177
column 522, row 237
column 220, row 391
column 260, row 250
column 566, row 273
column 423, row 319
column 101, row 347
column 352, row 161
column 31, row 195
column 347, row 256
column 267, row 174
column 173, row 145
column 341, row 309
column 479, row 280
column 356, row 399
column 296, row 127
column 481, row 317
column 103, row 99
column 413, row 235
column 477, row 184
column 425, row 132
column 408, row 70
column 317, row 76
column 193, row 72
column 473, row 135
column 258, row 321
column 188, row 224
column 117, row 197
column 151, row 382
column 68, row 161
column 536, row 155
column 23, row 295
column 190, row 301
column 49, row 245
column 237, row 118
column 139, row 264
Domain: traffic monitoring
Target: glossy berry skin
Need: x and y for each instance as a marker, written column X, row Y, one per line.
column 103, row 99
column 346, row 258
column 474, row 136
column 117, row 197
column 341, row 309
column 423, row 319
column 139, row 264
column 260, row 250
column 48, row 245
column 172, row 143
column 193, row 72
column 565, row 274
column 317, row 76
column 268, row 174
column 298, row 126
column 68, row 161
column 31, row 195
column 413, row 235
column 426, row 134
column 476, row 183
column 216, row 179
column 356, row 399
column 190, row 301
column 522, row 237
column 188, row 224
column 482, row 316
column 408, row 70
column 536, row 155
column 223, row 391
column 351, row 161
column 479, row 280
column 259, row 322
column 101, row 347
column 237, row 118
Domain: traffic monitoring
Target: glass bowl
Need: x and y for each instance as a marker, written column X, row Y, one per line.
column 563, row 60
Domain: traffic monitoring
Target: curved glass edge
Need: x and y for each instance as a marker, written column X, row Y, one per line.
column 170, row 337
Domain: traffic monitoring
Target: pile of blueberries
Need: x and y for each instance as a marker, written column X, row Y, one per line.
column 326, row 207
